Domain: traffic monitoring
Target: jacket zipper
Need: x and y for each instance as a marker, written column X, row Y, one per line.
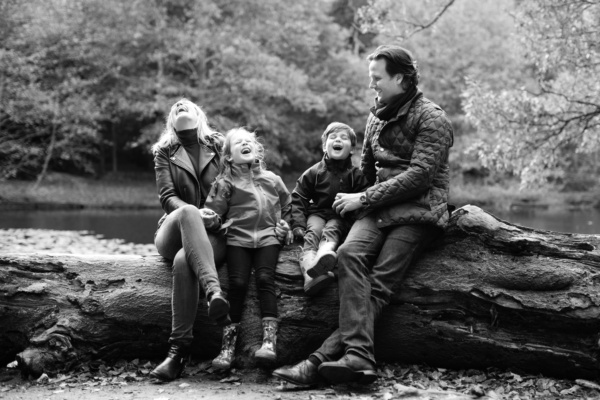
column 259, row 199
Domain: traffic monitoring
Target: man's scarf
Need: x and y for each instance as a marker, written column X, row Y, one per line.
column 387, row 111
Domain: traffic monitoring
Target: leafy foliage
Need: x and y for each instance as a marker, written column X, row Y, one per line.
column 101, row 73
column 540, row 133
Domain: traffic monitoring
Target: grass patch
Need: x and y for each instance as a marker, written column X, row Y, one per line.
column 139, row 191
column 129, row 191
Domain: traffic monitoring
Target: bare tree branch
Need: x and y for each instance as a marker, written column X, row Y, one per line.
column 422, row 27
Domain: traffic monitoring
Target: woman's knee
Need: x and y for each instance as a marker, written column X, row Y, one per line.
column 180, row 265
column 186, row 212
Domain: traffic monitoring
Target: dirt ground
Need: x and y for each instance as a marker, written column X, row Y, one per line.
column 242, row 385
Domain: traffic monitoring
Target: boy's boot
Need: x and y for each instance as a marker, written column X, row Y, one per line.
column 313, row 286
column 324, row 260
column 225, row 357
column 267, row 351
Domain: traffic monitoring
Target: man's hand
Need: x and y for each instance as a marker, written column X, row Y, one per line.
column 299, row 233
column 346, row 202
column 210, row 219
column 284, row 233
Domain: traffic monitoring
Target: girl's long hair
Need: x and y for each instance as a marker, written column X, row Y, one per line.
column 225, row 170
column 169, row 137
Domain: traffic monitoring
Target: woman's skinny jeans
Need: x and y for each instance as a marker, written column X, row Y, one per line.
column 183, row 239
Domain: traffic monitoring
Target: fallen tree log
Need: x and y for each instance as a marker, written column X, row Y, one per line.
column 489, row 293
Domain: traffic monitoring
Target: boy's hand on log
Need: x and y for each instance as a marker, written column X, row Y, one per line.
column 299, row 233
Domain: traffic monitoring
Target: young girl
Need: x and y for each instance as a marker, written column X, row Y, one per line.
column 252, row 202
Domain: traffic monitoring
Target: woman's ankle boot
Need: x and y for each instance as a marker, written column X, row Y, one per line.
column 172, row 367
column 267, row 351
column 225, row 357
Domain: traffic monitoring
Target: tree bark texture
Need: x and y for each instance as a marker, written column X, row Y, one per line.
column 489, row 294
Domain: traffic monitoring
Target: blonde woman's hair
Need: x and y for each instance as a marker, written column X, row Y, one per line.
column 225, row 167
column 169, row 136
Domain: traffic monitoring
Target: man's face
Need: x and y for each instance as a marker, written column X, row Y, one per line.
column 384, row 85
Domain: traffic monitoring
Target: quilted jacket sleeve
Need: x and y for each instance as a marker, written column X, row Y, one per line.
column 432, row 142
column 167, row 194
column 301, row 197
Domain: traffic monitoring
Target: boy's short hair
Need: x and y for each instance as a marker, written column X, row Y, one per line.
column 339, row 127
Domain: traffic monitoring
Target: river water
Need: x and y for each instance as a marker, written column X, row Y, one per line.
column 138, row 226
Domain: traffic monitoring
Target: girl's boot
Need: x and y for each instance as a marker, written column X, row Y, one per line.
column 324, row 260
column 312, row 286
column 267, row 351
column 225, row 357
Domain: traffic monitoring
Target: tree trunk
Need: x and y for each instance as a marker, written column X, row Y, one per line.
column 488, row 294
column 50, row 150
column 113, row 132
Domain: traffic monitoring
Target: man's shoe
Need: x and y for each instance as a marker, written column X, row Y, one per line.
column 302, row 374
column 349, row 368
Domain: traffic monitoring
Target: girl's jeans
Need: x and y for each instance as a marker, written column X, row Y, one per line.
column 183, row 239
column 371, row 265
column 240, row 261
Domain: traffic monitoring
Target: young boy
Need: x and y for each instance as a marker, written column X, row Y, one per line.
column 313, row 218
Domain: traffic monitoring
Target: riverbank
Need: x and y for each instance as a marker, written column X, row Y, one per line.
column 138, row 191
column 64, row 191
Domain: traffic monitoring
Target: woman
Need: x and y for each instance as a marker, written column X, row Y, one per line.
column 186, row 159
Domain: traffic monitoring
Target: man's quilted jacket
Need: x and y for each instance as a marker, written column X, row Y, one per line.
column 407, row 160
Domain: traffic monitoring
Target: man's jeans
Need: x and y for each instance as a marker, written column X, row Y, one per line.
column 319, row 229
column 183, row 239
column 371, row 265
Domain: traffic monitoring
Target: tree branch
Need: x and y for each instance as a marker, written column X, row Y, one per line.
column 433, row 21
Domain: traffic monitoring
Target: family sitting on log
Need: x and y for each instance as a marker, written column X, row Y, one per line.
column 220, row 199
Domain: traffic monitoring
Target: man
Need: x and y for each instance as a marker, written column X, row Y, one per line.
column 405, row 157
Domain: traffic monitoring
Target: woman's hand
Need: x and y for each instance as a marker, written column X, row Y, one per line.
column 210, row 219
column 283, row 232
column 346, row 202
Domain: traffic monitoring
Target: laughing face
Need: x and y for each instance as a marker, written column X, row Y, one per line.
column 338, row 145
column 185, row 115
column 382, row 83
column 243, row 147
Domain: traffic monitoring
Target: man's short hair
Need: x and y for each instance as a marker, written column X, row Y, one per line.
column 339, row 127
column 398, row 60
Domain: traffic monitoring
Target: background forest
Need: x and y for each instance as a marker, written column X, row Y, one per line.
column 85, row 85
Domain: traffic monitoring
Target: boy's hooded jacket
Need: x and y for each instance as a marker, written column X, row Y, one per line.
column 251, row 202
column 316, row 188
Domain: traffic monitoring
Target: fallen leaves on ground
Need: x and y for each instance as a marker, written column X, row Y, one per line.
column 395, row 382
